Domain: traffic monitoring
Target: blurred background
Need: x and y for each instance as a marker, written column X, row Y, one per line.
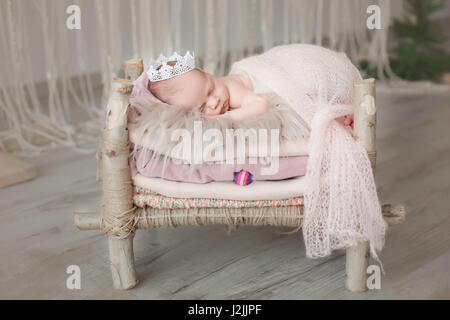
column 55, row 78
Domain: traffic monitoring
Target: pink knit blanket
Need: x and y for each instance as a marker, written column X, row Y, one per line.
column 341, row 202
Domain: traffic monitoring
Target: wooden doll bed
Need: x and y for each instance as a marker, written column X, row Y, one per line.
column 121, row 217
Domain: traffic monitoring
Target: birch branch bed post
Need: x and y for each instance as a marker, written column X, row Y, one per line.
column 118, row 219
column 357, row 258
column 133, row 69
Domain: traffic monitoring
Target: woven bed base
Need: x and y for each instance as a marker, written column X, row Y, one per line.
column 290, row 216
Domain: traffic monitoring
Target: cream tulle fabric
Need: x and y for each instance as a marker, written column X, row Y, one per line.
column 341, row 202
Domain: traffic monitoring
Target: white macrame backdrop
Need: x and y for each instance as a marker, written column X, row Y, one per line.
column 219, row 32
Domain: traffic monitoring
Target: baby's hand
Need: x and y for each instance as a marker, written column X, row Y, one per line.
column 252, row 105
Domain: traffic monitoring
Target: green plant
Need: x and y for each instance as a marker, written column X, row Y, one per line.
column 419, row 53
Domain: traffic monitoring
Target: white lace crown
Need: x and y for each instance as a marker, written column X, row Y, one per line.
column 160, row 70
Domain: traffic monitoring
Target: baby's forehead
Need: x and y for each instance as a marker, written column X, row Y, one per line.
column 193, row 75
column 190, row 81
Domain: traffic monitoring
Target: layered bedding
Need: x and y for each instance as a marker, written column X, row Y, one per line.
column 287, row 167
column 166, row 177
column 223, row 190
column 143, row 197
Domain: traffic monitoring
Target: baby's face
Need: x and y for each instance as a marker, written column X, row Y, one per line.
column 197, row 89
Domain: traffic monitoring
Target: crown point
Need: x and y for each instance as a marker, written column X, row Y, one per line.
column 160, row 70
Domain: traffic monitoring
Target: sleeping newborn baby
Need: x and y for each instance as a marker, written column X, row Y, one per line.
column 234, row 97
column 176, row 81
column 231, row 97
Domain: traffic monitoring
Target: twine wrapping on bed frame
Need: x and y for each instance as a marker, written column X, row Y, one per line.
column 119, row 226
column 291, row 216
column 116, row 221
column 124, row 225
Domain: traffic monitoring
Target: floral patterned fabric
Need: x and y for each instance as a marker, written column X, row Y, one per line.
column 144, row 197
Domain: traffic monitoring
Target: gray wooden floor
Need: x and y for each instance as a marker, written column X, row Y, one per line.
column 38, row 239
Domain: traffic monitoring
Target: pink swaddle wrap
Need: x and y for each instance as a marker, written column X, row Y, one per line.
column 341, row 201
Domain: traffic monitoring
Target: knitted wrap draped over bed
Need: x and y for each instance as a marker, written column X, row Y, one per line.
column 341, row 202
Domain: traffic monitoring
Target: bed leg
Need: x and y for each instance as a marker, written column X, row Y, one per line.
column 364, row 131
column 118, row 216
column 116, row 168
column 122, row 263
column 356, row 267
